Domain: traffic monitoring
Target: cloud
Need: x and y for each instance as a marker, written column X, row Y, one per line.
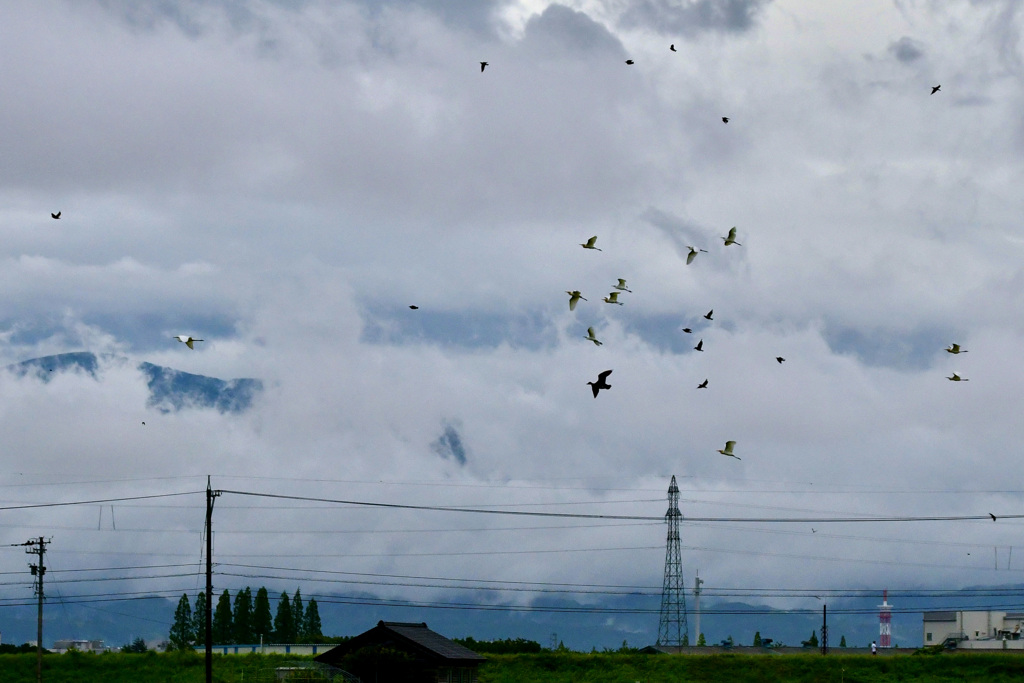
column 449, row 444
column 691, row 17
column 906, row 50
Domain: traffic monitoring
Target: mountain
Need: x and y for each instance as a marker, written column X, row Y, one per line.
column 170, row 390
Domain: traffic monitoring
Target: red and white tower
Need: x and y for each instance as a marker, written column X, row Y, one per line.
column 885, row 621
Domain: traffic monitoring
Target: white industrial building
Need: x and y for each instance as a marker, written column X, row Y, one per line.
column 975, row 630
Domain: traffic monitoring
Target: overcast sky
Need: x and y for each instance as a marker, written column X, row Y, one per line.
column 283, row 180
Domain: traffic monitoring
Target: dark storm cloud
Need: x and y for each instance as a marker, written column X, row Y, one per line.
column 906, row 50
column 690, row 17
column 449, row 445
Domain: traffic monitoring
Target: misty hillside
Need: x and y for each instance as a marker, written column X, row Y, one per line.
column 170, row 390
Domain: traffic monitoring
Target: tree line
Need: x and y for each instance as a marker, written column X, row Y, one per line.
column 247, row 621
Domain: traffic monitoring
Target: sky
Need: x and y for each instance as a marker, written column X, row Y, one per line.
column 285, row 179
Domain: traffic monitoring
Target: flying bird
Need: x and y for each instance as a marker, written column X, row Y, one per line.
column 413, row 307
column 629, row 61
column 589, row 244
column 703, row 385
column 935, row 89
column 574, row 296
column 672, row 47
column 601, row 383
column 187, row 340
column 725, row 119
column 957, row 378
column 728, row 450
column 55, row 216
column 708, row 314
column 143, row 424
column 591, row 337
column 699, row 346
column 731, row 237
column 622, row 286
column 612, row 298
column 955, row 348
column 693, row 254
column 687, row 330
column 483, row 65
column 992, row 516
column 780, row 359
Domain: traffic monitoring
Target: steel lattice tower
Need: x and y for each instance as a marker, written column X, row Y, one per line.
column 672, row 626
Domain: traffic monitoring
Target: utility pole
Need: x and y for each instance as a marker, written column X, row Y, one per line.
column 211, row 495
column 37, row 546
column 672, row 628
column 697, row 581
column 824, row 629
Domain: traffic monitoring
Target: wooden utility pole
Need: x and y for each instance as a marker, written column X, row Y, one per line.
column 37, row 546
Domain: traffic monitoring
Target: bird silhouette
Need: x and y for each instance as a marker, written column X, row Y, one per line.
column 591, row 337
column 703, row 385
column 629, row 61
column 992, row 516
column 687, row 330
column 708, row 314
column 955, row 348
column 729, row 445
column 589, row 244
column 780, row 359
column 187, row 340
column 693, row 254
column 699, row 346
column 574, row 296
column 672, row 47
column 413, row 307
column 957, row 378
column 731, row 237
column 612, row 298
column 601, row 383
column 725, row 119
column 935, row 89
column 143, row 424
column 622, row 286
column 55, row 216
column 483, row 65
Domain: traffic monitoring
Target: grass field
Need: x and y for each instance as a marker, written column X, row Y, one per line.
column 549, row 668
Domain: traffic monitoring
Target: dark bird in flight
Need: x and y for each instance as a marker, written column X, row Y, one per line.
column 708, row 314
column 703, row 385
column 672, row 47
column 413, row 307
column 780, row 359
column 725, row 119
column 629, row 61
column 55, row 216
column 687, row 330
column 992, row 516
column 699, row 346
column 143, row 424
column 483, row 65
column 935, row 89
column 601, row 383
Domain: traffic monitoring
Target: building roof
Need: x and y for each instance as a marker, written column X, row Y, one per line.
column 940, row 616
column 414, row 637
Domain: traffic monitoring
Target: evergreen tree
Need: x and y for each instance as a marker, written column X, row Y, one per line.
column 842, row 642
column 700, row 641
column 284, row 627
column 686, row 640
column 242, row 616
column 757, row 639
column 298, row 618
column 312, row 627
column 222, row 634
column 199, row 619
column 182, row 635
column 262, row 624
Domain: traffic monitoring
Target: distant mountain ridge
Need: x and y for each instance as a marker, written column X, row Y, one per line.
column 170, row 390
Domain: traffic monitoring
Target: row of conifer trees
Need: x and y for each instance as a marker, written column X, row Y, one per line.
column 248, row 621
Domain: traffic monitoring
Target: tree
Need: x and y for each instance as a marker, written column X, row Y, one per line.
column 700, row 641
column 182, row 635
column 242, row 616
column 686, row 640
column 138, row 646
column 284, row 627
column 298, row 618
column 757, row 639
column 262, row 625
column 812, row 641
column 222, row 620
column 842, row 642
column 199, row 619
column 312, row 627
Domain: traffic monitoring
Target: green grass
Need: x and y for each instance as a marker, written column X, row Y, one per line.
column 550, row 668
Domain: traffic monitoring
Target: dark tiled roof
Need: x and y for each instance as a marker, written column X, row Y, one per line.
column 435, row 642
column 940, row 616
